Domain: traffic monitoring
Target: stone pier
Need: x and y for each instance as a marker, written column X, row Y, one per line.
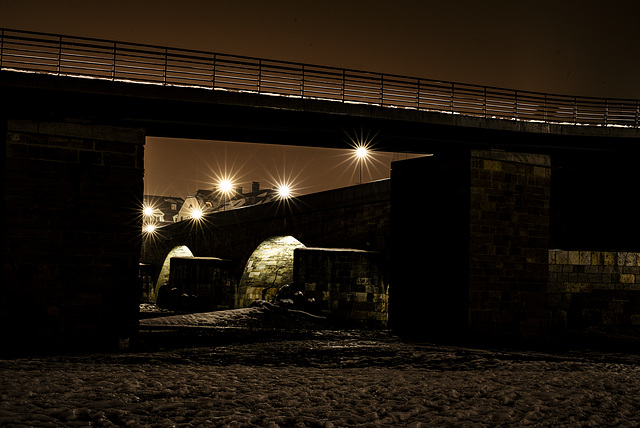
column 472, row 259
column 71, row 234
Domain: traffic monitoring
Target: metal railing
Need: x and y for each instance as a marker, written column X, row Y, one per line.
column 123, row 61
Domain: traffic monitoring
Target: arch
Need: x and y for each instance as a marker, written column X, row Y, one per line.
column 163, row 277
column 269, row 267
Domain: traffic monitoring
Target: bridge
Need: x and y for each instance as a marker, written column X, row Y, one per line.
column 257, row 246
column 76, row 111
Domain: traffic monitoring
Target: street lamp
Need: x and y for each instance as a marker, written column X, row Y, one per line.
column 361, row 145
column 225, row 186
column 362, row 153
column 284, row 191
column 149, row 228
column 196, row 213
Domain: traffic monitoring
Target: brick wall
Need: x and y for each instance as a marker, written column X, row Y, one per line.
column 508, row 248
column 346, row 284
column 598, row 289
column 71, row 233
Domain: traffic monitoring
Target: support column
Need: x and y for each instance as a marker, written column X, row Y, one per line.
column 71, row 234
column 509, row 242
column 470, row 234
column 428, row 291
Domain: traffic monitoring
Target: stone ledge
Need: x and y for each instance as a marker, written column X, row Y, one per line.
column 524, row 158
column 78, row 130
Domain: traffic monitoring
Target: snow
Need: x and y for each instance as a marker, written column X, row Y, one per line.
column 320, row 377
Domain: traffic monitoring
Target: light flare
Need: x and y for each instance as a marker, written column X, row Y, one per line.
column 196, row 213
column 284, row 190
column 362, row 148
column 362, row 152
column 225, row 186
column 147, row 211
column 149, row 228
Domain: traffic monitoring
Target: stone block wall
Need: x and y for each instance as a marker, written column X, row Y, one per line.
column 202, row 284
column 348, row 285
column 508, row 244
column 71, row 233
column 269, row 268
column 598, row 289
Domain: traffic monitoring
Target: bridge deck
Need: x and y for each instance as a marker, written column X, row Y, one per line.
column 164, row 66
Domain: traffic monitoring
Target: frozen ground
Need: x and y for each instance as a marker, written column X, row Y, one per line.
column 311, row 375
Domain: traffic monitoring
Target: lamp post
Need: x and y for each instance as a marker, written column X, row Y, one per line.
column 225, row 186
column 361, row 154
column 196, row 218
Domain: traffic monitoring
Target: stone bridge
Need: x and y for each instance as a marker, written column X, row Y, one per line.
column 513, row 175
column 257, row 242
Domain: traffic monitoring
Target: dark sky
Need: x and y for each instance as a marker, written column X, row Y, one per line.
column 588, row 48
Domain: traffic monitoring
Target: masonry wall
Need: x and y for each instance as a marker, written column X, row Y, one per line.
column 201, row 284
column 508, row 247
column 269, row 268
column 472, row 260
column 595, row 289
column 348, row 285
column 71, row 234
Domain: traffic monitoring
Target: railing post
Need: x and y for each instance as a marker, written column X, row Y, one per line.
column 59, row 53
column 259, row 75
column 302, row 83
column 113, row 65
column 606, row 112
column 418, row 95
column 484, row 104
column 452, row 100
column 213, row 72
column 545, row 109
column 575, row 110
column 344, row 77
column 516, row 105
column 381, row 90
column 1, row 48
column 164, row 74
column 637, row 113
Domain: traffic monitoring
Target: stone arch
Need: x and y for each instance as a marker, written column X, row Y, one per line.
column 163, row 277
column 269, row 267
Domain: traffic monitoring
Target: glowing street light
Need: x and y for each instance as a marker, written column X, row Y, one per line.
column 149, row 228
column 361, row 145
column 361, row 153
column 283, row 190
column 196, row 213
column 147, row 211
column 225, row 186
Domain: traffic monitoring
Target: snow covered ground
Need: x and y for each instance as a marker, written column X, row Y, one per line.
column 318, row 377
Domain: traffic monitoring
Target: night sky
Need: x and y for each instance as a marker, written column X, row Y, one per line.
column 587, row 48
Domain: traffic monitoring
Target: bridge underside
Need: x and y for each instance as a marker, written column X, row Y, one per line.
column 170, row 111
column 72, row 171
